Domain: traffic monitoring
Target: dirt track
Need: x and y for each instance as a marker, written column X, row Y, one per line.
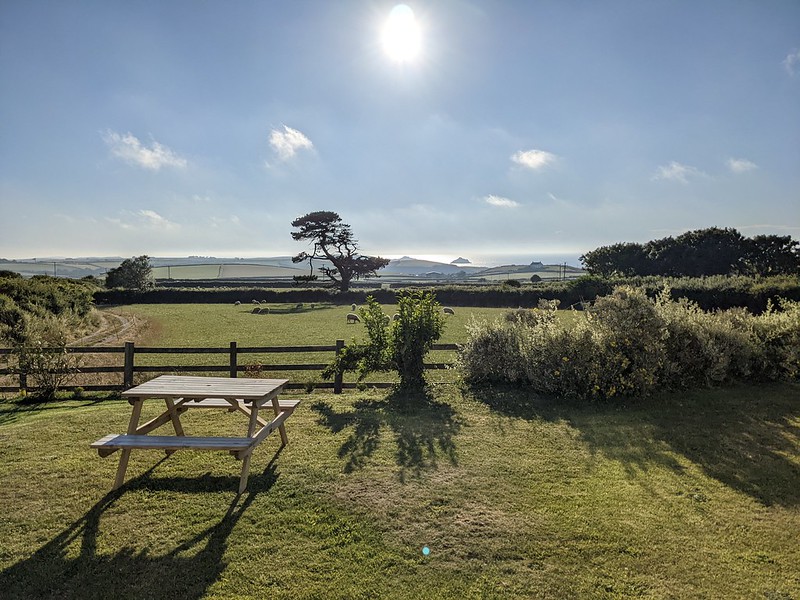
column 113, row 329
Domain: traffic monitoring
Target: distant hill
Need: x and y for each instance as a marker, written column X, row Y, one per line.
column 414, row 266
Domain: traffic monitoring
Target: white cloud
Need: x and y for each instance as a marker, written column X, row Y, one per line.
column 791, row 62
column 675, row 171
column 499, row 201
column 143, row 220
column 741, row 165
column 288, row 141
column 130, row 149
column 155, row 221
column 534, row 159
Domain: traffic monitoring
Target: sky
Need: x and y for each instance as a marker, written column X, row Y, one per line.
column 489, row 129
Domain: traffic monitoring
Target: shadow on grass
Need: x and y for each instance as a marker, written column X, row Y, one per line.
column 13, row 410
column 72, row 566
column 296, row 309
column 423, row 430
column 741, row 436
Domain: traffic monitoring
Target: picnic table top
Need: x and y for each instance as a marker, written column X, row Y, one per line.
column 190, row 386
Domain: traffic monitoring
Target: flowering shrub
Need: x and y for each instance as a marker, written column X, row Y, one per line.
column 631, row 345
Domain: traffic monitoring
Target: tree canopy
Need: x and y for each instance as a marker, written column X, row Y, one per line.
column 134, row 273
column 697, row 253
column 332, row 241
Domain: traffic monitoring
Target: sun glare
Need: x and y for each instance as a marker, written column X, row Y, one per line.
column 401, row 35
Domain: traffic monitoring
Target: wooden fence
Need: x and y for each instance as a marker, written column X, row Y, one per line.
column 129, row 367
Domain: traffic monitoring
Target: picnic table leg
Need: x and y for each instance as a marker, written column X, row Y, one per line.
column 251, row 429
column 126, row 454
column 281, row 427
column 176, row 421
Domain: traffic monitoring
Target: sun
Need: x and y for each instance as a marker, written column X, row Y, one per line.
column 401, row 35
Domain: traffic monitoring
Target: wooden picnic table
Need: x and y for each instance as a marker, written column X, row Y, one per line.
column 182, row 393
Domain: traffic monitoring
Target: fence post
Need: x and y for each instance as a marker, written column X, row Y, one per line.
column 127, row 374
column 23, row 382
column 337, row 380
column 234, row 367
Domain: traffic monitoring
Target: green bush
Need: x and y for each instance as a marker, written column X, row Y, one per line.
column 631, row 345
column 43, row 295
column 777, row 332
column 12, row 321
column 43, row 355
column 394, row 344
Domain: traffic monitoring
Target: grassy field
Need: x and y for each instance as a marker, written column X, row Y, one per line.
column 214, row 271
column 177, row 325
column 683, row 496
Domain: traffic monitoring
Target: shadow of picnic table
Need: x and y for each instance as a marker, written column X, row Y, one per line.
column 71, row 566
column 423, row 430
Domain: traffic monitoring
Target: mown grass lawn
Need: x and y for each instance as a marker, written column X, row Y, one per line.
column 693, row 495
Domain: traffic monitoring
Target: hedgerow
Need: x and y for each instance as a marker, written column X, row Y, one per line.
column 709, row 293
column 631, row 345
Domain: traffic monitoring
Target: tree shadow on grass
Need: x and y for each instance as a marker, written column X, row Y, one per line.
column 742, row 436
column 70, row 565
column 423, row 430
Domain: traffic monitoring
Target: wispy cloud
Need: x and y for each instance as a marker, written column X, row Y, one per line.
column 500, row 202
column 128, row 147
column 741, row 165
column 792, row 62
column 534, row 159
column 143, row 220
column 286, row 142
column 155, row 220
column 675, row 171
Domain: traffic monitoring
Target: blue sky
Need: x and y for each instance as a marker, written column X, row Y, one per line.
column 526, row 129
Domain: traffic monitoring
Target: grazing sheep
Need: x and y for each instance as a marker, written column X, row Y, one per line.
column 396, row 317
column 448, row 311
column 256, row 310
column 265, row 310
column 255, row 301
column 237, row 303
column 263, row 302
column 353, row 307
column 352, row 318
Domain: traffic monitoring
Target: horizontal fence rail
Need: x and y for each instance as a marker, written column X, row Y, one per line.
column 128, row 367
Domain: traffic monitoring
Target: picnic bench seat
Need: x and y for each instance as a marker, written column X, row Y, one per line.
column 112, row 442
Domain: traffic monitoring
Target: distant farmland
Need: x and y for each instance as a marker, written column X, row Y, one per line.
column 208, row 272
column 226, row 271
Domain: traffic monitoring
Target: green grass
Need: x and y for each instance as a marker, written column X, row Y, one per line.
column 285, row 325
column 189, row 325
column 683, row 496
